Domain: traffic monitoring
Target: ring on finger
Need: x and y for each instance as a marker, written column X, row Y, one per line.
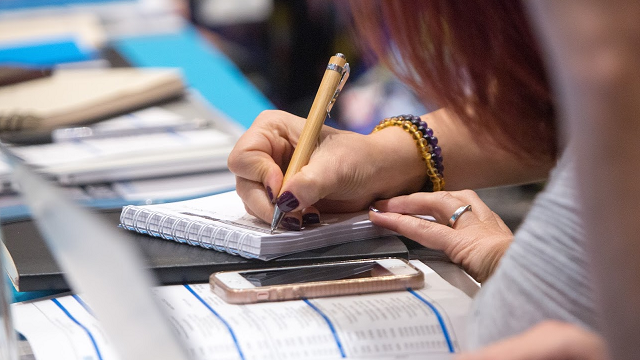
column 456, row 214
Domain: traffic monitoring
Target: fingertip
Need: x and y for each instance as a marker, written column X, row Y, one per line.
column 270, row 195
column 292, row 221
column 287, row 201
column 310, row 216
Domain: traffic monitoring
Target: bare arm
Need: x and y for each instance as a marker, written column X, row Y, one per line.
column 594, row 53
column 470, row 165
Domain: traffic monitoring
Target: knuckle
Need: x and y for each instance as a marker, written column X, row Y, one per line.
column 445, row 196
column 468, row 194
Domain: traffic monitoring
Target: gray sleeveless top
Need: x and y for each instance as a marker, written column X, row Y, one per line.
column 544, row 274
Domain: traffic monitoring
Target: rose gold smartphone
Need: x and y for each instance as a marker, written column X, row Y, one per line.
column 319, row 280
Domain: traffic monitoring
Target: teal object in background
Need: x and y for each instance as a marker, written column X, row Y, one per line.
column 44, row 54
column 205, row 68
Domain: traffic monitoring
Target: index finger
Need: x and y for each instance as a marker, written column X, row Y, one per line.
column 265, row 148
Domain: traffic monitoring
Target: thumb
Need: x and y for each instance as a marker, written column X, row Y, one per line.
column 312, row 183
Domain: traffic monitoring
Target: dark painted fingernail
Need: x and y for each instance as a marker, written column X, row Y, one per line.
column 270, row 194
column 287, row 201
column 310, row 218
column 291, row 223
column 371, row 208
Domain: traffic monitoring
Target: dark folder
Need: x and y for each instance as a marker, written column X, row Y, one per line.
column 31, row 266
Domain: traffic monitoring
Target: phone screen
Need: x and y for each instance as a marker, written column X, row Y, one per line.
column 315, row 273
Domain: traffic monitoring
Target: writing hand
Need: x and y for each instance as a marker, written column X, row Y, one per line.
column 346, row 172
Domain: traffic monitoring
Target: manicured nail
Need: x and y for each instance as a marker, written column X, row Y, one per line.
column 310, row 218
column 291, row 223
column 270, row 194
column 287, row 201
column 371, row 208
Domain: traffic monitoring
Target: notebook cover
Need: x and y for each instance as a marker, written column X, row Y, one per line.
column 173, row 263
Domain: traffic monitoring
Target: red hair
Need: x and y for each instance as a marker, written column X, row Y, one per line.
column 479, row 59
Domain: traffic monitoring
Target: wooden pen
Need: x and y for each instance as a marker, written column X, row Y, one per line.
column 334, row 77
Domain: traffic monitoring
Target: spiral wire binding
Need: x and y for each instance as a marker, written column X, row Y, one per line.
column 134, row 221
column 225, row 242
column 161, row 228
column 214, row 238
column 186, row 232
column 199, row 237
column 221, row 239
column 240, row 246
column 172, row 231
column 160, row 224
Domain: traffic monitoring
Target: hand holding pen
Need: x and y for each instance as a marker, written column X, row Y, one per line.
column 347, row 171
column 334, row 77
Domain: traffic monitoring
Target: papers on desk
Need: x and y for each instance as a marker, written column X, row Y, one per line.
column 430, row 321
column 140, row 154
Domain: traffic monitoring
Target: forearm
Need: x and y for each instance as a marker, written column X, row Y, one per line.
column 468, row 164
column 473, row 165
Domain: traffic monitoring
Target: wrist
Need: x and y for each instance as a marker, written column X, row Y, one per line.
column 401, row 168
column 489, row 261
column 426, row 147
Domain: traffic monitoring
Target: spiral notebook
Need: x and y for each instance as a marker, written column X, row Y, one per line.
column 220, row 222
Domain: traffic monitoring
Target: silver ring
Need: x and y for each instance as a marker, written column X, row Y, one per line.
column 456, row 214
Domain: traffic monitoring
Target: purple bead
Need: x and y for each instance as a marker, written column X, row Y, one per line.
column 424, row 124
column 440, row 168
column 423, row 131
column 439, row 158
column 429, row 132
column 437, row 150
column 433, row 140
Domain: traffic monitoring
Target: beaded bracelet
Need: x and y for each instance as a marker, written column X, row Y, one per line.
column 427, row 144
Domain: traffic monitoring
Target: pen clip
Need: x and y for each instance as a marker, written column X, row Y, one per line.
column 345, row 70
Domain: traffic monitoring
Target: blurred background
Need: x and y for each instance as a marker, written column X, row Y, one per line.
column 280, row 46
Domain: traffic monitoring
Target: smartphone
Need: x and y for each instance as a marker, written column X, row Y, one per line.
column 318, row 280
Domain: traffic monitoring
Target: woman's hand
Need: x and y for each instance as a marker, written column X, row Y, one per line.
column 477, row 240
column 550, row 340
column 347, row 170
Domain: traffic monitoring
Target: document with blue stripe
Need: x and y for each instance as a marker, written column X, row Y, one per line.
column 429, row 322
